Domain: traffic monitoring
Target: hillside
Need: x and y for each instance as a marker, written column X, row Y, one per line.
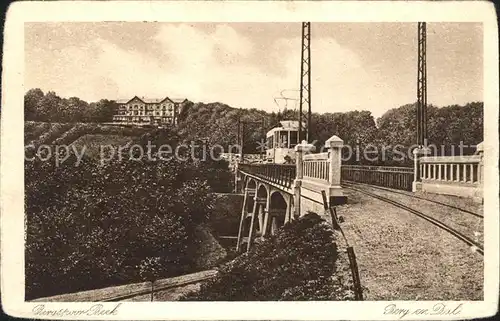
column 92, row 224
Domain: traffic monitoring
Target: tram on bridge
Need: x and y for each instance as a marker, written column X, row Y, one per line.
column 281, row 141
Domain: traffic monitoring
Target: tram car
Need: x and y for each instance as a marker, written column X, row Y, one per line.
column 281, row 141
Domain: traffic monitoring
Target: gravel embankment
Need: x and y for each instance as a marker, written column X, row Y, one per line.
column 403, row 257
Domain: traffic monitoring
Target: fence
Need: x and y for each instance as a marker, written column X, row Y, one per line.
column 391, row 177
column 280, row 174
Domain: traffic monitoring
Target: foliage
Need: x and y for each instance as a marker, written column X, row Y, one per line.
column 218, row 124
column 447, row 126
column 50, row 107
column 35, row 130
column 90, row 226
column 149, row 267
column 296, row 264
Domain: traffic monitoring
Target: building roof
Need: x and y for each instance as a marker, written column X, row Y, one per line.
column 149, row 100
column 178, row 100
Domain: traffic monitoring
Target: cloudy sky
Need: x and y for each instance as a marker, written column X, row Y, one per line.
column 370, row 66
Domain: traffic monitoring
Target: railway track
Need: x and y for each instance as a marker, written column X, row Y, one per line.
column 479, row 248
column 417, row 197
column 141, row 292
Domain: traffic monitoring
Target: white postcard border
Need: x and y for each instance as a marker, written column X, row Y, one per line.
column 12, row 142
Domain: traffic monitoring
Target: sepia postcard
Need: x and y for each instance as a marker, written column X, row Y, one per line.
column 250, row 160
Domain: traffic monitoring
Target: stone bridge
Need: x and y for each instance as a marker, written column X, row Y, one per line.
column 274, row 194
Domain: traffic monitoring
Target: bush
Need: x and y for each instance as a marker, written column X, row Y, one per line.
column 36, row 131
column 296, row 264
column 92, row 226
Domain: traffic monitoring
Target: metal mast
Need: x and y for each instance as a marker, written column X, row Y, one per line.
column 422, row 85
column 305, row 83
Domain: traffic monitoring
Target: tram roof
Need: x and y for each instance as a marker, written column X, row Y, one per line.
column 286, row 125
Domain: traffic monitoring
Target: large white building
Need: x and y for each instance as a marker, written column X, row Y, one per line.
column 148, row 110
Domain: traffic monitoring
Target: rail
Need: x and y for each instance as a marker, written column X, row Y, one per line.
column 386, row 176
column 467, row 240
column 281, row 174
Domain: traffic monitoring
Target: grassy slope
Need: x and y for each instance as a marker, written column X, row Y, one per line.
column 96, row 144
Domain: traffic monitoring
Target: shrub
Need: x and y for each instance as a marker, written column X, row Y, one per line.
column 36, row 131
column 91, row 226
column 296, row 264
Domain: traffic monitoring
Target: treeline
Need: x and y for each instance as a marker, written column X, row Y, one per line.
column 50, row 107
column 217, row 123
column 91, row 226
column 450, row 125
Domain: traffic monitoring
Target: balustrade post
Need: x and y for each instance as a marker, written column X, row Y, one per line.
column 480, row 173
column 300, row 150
column 480, row 167
column 416, row 173
column 335, row 193
column 334, row 145
column 417, row 179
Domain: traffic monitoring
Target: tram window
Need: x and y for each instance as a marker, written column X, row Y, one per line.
column 284, row 139
column 293, row 138
column 276, row 140
column 269, row 142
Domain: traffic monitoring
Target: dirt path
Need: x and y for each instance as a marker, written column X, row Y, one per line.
column 403, row 257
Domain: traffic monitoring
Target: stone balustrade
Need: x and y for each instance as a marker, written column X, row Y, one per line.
column 316, row 166
column 450, row 175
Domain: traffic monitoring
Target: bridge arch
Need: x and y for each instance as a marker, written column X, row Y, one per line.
column 278, row 209
column 251, row 183
column 263, row 190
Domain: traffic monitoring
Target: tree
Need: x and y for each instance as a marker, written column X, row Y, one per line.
column 104, row 110
column 52, row 108
column 31, row 99
column 149, row 271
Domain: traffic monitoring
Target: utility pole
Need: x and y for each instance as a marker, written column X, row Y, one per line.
column 422, row 85
column 305, row 83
